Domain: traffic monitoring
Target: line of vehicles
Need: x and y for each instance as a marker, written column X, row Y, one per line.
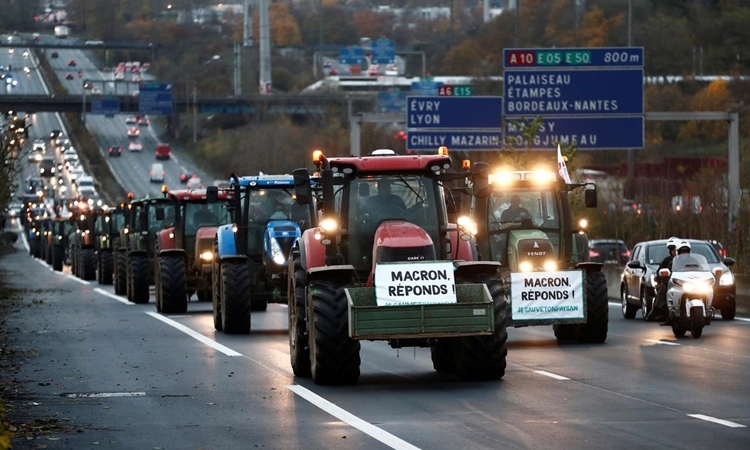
column 383, row 247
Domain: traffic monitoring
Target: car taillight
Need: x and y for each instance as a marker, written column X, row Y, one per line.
column 151, row 173
column 626, row 253
column 723, row 253
column 593, row 253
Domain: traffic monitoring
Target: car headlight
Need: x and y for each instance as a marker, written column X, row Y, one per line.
column 207, row 256
column 276, row 254
column 726, row 279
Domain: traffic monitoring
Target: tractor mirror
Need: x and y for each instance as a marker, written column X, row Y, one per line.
column 664, row 273
column 480, row 180
column 143, row 221
column 302, row 188
column 159, row 213
column 212, row 194
column 590, row 198
column 580, row 249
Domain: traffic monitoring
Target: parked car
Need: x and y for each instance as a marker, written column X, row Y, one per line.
column 608, row 251
column 638, row 280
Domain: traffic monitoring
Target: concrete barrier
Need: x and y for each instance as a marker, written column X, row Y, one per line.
column 613, row 272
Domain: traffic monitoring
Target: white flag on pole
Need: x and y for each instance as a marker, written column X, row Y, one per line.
column 561, row 167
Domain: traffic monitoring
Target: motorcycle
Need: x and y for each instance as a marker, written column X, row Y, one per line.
column 690, row 293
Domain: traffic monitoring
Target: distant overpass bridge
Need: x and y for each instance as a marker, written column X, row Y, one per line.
column 65, row 43
column 281, row 104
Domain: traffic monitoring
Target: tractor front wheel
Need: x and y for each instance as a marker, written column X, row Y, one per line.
column 235, row 298
column 172, row 289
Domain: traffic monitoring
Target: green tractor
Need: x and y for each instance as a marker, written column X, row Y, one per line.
column 134, row 258
column 57, row 241
column 524, row 221
column 81, row 242
column 107, row 225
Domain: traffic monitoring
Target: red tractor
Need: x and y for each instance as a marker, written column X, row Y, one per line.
column 385, row 264
column 184, row 250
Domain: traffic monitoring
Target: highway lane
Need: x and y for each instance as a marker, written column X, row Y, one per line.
column 132, row 169
column 642, row 388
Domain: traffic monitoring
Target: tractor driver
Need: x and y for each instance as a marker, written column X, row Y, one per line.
column 384, row 198
column 203, row 216
column 515, row 212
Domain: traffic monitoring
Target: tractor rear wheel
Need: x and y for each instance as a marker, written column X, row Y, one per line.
column 235, row 298
column 88, row 264
column 334, row 355
column 204, row 295
column 258, row 302
column 445, row 355
column 299, row 350
column 106, row 267
column 121, row 273
column 483, row 357
column 172, row 288
column 138, row 279
column 58, row 254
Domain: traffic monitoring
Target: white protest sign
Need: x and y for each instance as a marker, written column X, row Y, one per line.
column 547, row 295
column 415, row 283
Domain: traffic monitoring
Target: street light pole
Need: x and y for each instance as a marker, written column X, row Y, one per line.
column 195, row 115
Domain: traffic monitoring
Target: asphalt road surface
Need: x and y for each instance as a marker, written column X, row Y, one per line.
column 124, row 376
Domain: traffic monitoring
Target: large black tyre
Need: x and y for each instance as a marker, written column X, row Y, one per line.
column 628, row 310
column 483, row 357
column 678, row 330
column 106, row 266
column 216, row 295
column 299, row 350
column 334, row 356
column 121, row 273
column 728, row 310
column 35, row 248
column 597, row 309
column 73, row 261
column 204, row 295
column 696, row 322
column 235, row 298
column 48, row 253
column 58, row 255
column 445, row 354
column 88, row 264
column 567, row 332
column 172, row 288
column 138, row 281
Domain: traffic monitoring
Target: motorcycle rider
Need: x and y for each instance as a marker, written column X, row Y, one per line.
column 659, row 308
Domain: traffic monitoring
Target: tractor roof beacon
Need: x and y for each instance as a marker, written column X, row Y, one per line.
column 542, row 255
column 185, row 246
column 386, row 272
column 252, row 253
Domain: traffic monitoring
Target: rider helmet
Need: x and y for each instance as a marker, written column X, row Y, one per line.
column 672, row 242
column 683, row 247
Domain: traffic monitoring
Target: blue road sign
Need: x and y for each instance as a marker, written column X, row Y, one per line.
column 454, row 112
column 383, row 51
column 573, row 57
column 105, row 106
column 155, row 98
column 351, row 55
column 425, row 86
column 592, row 133
column 454, row 139
column 393, row 102
column 573, row 92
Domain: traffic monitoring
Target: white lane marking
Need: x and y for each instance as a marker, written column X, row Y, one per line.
column 106, row 395
column 551, row 375
column 113, row 296
column 23, row 238
column 349, row 418
column 194, row 334
column 662, row 342
column 44, row 264
column 742, row 319
column 74, row 278
column 615, row 303
column 726, row 423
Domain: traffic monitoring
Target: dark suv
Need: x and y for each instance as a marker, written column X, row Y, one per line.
column 637, row 284
column 608, row 251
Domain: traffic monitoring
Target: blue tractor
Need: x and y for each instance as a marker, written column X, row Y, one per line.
column 250, row 267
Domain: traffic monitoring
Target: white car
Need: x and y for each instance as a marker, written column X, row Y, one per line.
column 70, row 155
column 39, row 144
column 87, row 192
column 135, row 147
column 157, row 173
column 194, row 183
column 130, row 120
column 74, row 172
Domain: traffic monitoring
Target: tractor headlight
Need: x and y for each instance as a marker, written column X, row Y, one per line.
column 276, row 254
column 171, row 235
column 726, row 279
column 467, row 225
column 550, row 266
column 207, row 256
column 329, row 225
column 59, row 238
column 525, row 266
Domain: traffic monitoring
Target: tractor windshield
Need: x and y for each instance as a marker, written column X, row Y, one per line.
column 198, row 215
column 374, row 199
column 521, row 209
column 264, row 205
column 154, row 224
